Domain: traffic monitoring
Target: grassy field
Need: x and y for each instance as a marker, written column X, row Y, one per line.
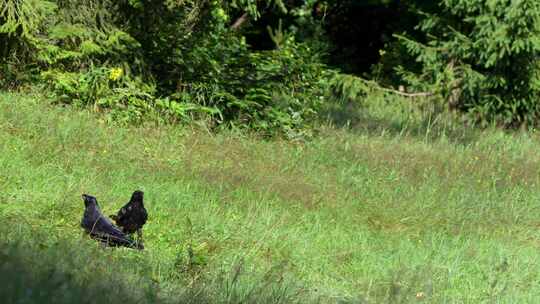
column 385, row 214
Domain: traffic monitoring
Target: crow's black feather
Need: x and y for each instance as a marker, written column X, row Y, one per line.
column 100, row 228
column 133, row 215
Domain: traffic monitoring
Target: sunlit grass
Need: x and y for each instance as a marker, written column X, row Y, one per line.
column 373, row 216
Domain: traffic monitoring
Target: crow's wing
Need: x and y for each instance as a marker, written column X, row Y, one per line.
column 131, row 217
column 101, row 228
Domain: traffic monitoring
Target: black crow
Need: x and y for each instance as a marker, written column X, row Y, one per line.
column 100, row 228
column 133, row 215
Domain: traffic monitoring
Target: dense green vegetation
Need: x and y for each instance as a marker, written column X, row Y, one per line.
column 271, row 66
column 291, row 151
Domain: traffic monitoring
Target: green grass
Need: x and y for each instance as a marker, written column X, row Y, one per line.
column 375, row 216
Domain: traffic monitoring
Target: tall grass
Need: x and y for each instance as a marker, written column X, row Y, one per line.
column 350, row 216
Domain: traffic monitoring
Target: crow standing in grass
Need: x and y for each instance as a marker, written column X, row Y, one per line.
column 133, row 215
column 100, row 228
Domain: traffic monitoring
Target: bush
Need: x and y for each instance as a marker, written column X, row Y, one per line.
column 267, row 91
column 180, row 60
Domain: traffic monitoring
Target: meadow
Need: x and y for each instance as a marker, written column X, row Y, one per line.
column 404, row 211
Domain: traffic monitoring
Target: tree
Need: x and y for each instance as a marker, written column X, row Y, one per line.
column 482, row 56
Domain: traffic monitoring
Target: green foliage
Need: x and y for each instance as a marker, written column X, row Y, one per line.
column 185, row 60
column 179, row 60
column 482, row 57
column 212, row 72
column 347, row 87
column 103, row 88
column 267, row 91
column 22, row 25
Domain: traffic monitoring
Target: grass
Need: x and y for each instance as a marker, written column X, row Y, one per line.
column 373, row 216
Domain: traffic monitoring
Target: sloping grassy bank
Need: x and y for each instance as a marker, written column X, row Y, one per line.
column 345, row 217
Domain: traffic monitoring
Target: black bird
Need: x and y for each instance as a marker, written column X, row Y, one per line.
column 133, row 215
column 100, row 228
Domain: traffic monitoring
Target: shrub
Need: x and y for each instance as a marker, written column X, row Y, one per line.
column 178, row 59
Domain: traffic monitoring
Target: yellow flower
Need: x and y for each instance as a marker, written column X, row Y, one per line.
column 115, row 73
